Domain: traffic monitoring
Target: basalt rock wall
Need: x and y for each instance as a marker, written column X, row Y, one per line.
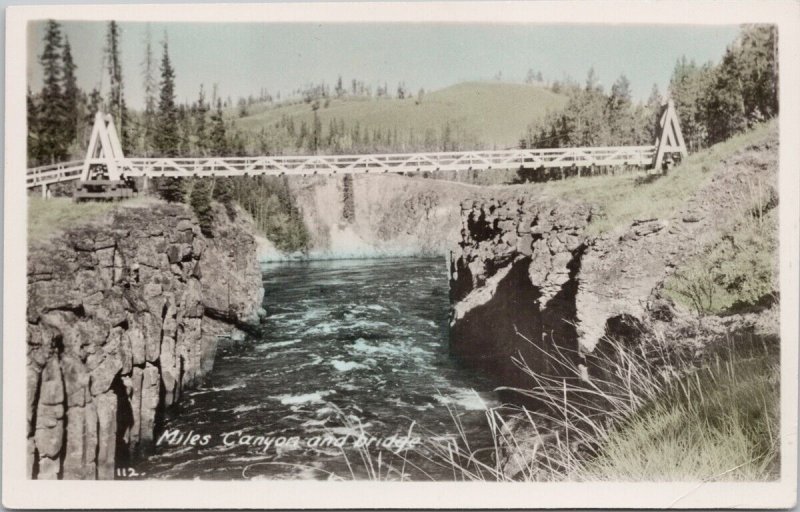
column 124, row 315
column 513, row 281
column 529, row 282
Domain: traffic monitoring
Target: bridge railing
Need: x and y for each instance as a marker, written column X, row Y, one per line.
column 355, row 164
column 104, row 150
column 398, row 162
column 55, row 173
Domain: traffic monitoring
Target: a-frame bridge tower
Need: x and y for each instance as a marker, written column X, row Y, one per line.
column 670, row 138
column 101, row 177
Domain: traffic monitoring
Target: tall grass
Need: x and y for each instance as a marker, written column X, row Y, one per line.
column 719, row 423
column 654, row 413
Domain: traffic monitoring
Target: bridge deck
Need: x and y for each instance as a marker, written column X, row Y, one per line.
column 355, row 164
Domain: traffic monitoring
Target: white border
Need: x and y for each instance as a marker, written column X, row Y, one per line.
column 19, row 492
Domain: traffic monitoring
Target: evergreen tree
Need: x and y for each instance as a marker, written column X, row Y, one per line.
column 652, row 114
column 95, row 105
column 71, row 95
column 219, row 138
column 116, row 99
column 757, row 55
column 724, row 100
column 620, row 115
column 339, row 88
column 530, row 77
column 687, row 88
column 316, row 135
column 52, row 112
column 224, row 193
column 200, row 201
column 149, row 116
column 592, row 82
column 166, row 136
column 33, row 129
column 200, row 128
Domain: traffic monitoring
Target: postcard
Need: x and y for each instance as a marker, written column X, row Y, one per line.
column 394, row 255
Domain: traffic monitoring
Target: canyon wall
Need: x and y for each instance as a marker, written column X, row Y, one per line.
column 529, row 282
column 123, row 315
column 380, row 215
column 513, row 280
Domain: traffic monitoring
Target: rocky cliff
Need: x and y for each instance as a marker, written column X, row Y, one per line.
column 513, row 281
column 380, row 215
column 528, row 281
column 123, row 315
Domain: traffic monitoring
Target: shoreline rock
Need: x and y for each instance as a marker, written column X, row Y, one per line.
column 117, row 329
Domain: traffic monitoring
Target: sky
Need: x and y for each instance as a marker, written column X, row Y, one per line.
column 243, row 58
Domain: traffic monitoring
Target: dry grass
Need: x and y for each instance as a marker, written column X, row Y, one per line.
column 626, row 197
column 48, row 216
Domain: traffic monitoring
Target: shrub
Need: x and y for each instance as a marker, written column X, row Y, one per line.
column 171, row 189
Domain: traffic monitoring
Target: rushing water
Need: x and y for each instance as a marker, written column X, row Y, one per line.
column 351, row 351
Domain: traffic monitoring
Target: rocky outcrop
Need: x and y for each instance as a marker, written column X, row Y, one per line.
column 513, row 282
column 529, row 282
column 119, row 326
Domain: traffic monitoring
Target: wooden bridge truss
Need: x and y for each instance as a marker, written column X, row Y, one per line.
column 106, row 172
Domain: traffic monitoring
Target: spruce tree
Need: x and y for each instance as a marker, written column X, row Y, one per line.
column 224, row 193
column 116, row 100
column 200, row 128
column 619, row 115
column 219, row 140
column 200, row 201
column 652, row 114
column 725, row 110
column 52, row 140
column 166, row 136
column 71, row 95
column 150, row 94
column 33, row 129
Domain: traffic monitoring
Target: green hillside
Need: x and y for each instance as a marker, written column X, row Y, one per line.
column 485, row 114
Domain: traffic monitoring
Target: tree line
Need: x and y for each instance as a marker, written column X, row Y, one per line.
column 713, row 102
column 716, row 102
column 593, row 118
column 60, row 118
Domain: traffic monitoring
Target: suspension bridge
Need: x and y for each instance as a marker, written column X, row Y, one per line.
column 106, row 173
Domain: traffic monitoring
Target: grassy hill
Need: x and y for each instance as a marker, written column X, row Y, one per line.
column 491, row 114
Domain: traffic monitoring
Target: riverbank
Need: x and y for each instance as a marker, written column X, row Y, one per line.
column 610, row 333
column 125, row 307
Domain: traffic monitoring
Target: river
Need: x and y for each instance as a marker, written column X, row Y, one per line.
column 353, row 353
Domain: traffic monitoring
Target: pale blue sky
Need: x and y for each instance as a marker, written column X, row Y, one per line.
column 241, row 58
